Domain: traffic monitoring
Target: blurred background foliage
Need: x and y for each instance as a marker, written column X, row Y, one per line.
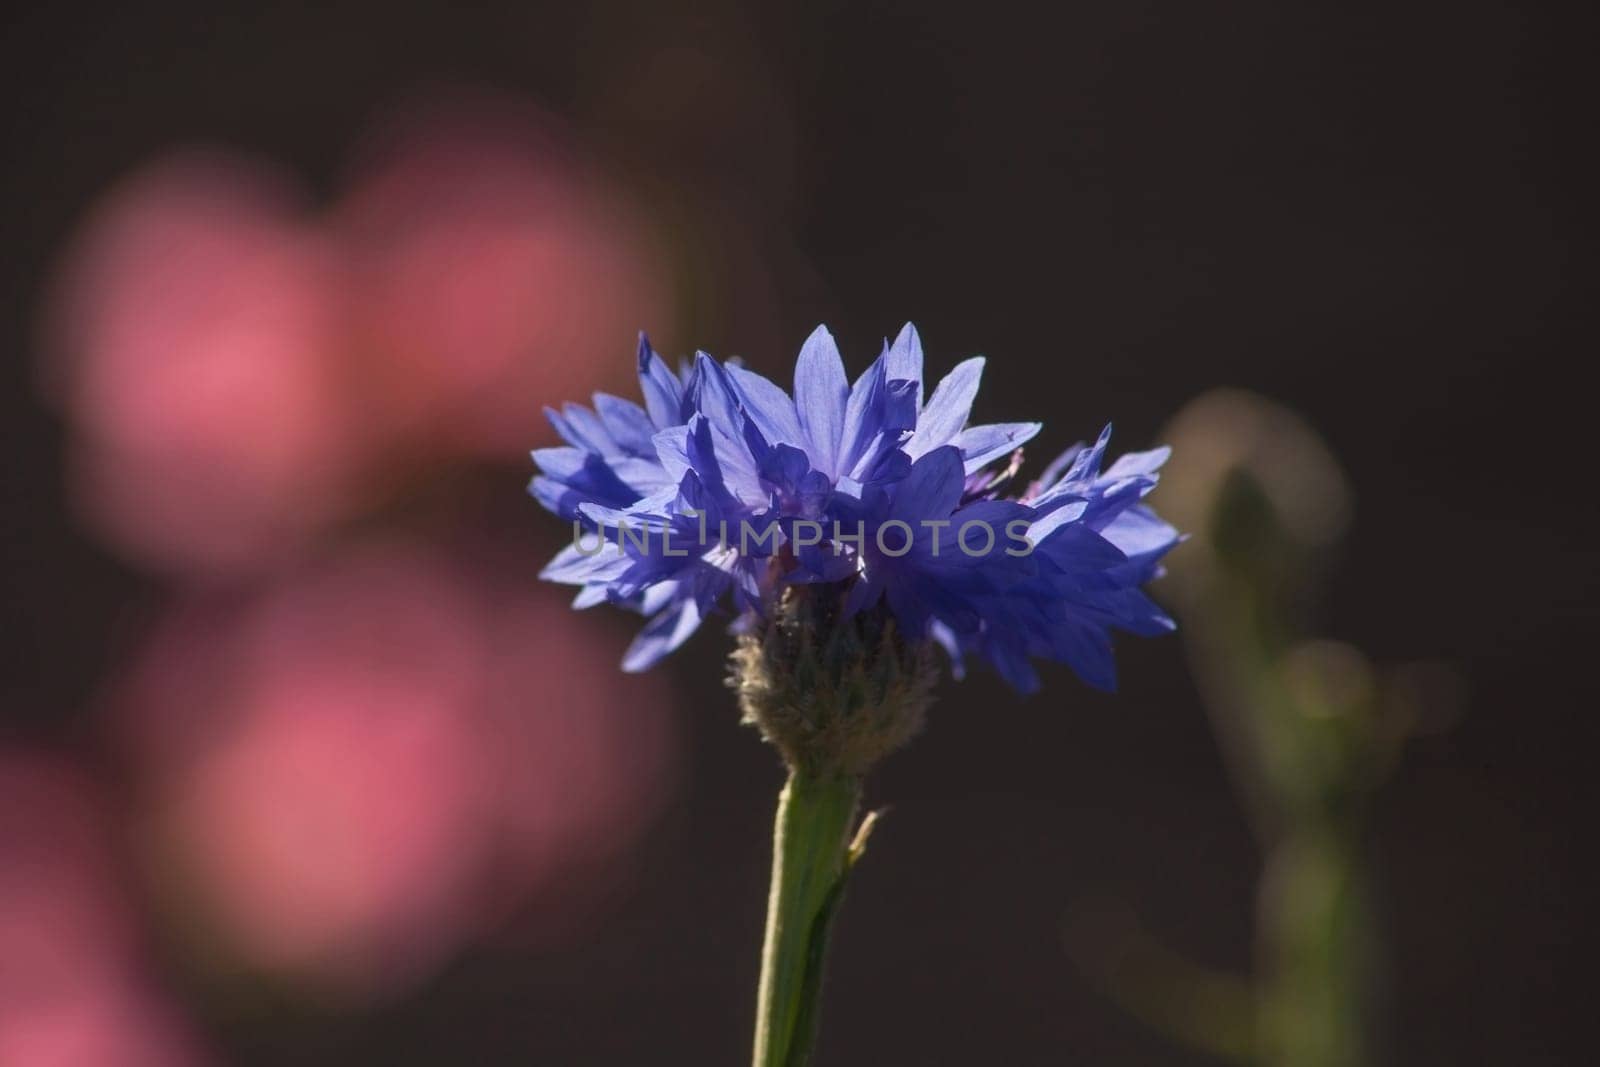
column 1309, row 729
column 299, row 763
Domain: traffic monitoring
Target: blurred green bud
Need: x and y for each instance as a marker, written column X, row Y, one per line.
column 1261, row 493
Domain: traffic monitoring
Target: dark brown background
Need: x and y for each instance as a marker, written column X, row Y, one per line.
column 1370, row 215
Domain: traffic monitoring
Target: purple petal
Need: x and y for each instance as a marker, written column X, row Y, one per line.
column 556, row 497
column 981, row 445
column 663, row 394
column 768, row 406
column 672, row 449
column 932, row 489
column 1087, row 465
column 863, row 417
column 723, row 463
column 947, row 410
column 1137, row 463
column 1065, row 509
column 711, row 394
column 821, row 392
column 627, row 423
column 1011, row 663
column 1139, row 532
column 590, row 430
column 560, row 462
column 904, row 360
column 900, row 403
column 571, row 567
column 1058, row 466
column 662, row 635
column 566, row 431
column 1087, row 650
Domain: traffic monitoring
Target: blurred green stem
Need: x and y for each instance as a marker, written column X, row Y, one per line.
column 811, row 856
column 1299, row 756
column 1316, row 937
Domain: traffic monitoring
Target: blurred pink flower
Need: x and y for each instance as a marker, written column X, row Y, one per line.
column 72, row 990
column 239, row 373
column 360, row 770
column 496, row 271
column 198, row 353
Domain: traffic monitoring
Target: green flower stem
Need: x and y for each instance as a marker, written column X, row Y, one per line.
column 811, row 856
column 1318, row 941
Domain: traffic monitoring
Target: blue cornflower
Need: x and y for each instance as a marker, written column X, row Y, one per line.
column 868, row 499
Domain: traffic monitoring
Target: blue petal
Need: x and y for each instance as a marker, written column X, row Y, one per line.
column 672, row 450
column 1087, row 465
column 768, row 406
column 556, row 497
column 863, row 416
column 562, row 461
column 705, row 461
column 996, row 513
column 611, row 519
column 724, row 465
column 947, row 410
column 983, row 444
column 905, row 361
column 1137, row 463
column 1079, row 549
column 571, row 567
column 1011, row 663
column 784, row 468
column 662, row 635
column 659, row 596
column 1136, row 613
column 1087, row 650
column 911, row 611
column 1053, row 471
column 711, row 394
column 941, row 633
column 901, row 402
column 821, row 392
column 891, row 466
column 588, row 430
column 1054, row 514
column 663, row 394
column 1140, row 532
column 582, row 473
column 1109, row 500
column 627, row 423
column 932, row 489
column 812, row 492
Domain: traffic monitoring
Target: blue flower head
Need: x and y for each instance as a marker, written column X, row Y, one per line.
column 877, row 508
